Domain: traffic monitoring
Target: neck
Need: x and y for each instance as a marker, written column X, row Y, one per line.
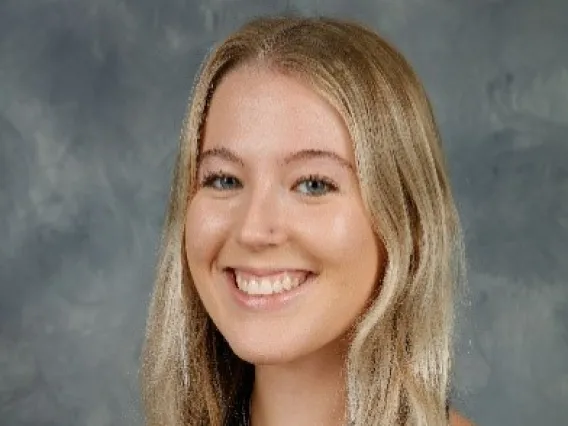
column 306, row 392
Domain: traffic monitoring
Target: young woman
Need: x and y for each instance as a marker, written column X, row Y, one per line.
column 312, row 248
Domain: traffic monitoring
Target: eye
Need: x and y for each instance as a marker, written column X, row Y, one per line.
column 220, row 181
column 315, row 186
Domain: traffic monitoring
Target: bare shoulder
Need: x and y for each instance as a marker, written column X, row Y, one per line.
column 456, row 419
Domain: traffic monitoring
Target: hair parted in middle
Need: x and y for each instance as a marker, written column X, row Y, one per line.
column 399, row 363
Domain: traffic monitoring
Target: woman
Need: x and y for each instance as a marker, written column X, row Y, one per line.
column 312, row 248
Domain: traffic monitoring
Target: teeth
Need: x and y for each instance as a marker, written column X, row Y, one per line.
column 267, row 285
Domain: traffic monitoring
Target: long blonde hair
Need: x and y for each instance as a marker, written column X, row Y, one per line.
column 399, row 363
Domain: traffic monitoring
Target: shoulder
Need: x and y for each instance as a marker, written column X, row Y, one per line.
column 456, row 419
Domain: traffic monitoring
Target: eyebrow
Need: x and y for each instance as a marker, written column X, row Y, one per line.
column 223, row 153
column 304, row 154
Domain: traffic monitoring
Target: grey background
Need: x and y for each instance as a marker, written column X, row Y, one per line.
column 92, row 95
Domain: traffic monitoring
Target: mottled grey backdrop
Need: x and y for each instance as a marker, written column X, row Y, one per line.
column 91, row 99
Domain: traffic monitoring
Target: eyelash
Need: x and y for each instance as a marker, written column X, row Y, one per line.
column 210, row 177
column 208, row 180
column 331, row 186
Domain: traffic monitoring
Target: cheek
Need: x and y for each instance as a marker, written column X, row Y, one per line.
column 343, row 237
column 349, row 254
column 205, row 228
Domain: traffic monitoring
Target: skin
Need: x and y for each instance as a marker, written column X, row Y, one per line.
column 457, row 420
column 265, row 203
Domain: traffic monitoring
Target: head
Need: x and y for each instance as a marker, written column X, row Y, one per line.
column 309, row 151
column 277, row 197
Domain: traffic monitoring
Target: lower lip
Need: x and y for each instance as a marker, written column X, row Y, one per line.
column 267, row 302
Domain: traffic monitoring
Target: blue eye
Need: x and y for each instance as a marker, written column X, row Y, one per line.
column 220, row 182
column 315, row 186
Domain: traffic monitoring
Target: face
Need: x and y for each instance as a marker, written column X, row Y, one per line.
column 278, row 242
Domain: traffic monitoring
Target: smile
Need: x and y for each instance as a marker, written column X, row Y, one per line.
column 268, row 282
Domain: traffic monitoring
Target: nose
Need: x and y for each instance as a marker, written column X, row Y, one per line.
column 261, row 220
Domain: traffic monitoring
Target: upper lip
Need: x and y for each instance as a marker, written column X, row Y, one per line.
column 263, row 272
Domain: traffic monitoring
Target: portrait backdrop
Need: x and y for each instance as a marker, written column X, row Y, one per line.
column 92, row 94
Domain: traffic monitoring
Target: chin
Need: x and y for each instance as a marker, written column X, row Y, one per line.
column 262, row 351
column 257, row 358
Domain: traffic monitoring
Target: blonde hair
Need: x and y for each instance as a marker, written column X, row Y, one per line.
column 399, row 362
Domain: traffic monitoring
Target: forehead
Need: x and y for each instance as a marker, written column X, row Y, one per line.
column 260, row 110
